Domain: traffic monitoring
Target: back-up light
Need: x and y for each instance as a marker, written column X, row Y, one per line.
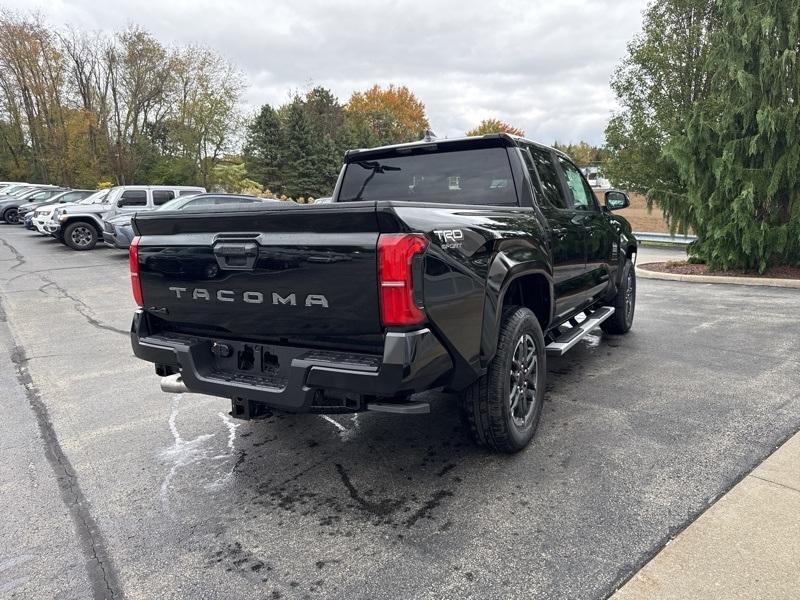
column 133, row 260
column 396, row 253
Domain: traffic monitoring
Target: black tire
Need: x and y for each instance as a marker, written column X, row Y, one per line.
column 624, row 303
column 494, row 419
column 11, row 216
column 80, row 235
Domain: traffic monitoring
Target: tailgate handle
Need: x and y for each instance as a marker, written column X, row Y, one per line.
column 236, row 255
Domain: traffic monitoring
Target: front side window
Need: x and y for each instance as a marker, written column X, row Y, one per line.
column 582, row 195
column 462, row 176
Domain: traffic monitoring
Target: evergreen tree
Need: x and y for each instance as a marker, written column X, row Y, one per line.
column 263, row 151
column 326, row 117
column 740, row 153
column 301, row 166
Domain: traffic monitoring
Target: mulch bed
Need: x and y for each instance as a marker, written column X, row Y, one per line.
column 684, row 268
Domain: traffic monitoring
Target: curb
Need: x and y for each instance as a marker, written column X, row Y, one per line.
column 756, row 281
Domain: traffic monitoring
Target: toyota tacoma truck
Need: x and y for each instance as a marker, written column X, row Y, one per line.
column 455, row 264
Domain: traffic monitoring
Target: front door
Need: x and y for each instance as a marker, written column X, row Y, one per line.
column 597, row 232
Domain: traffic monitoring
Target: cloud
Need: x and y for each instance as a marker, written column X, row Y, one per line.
column 543, row 66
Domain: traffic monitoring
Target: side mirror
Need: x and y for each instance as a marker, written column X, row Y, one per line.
column 616, row 200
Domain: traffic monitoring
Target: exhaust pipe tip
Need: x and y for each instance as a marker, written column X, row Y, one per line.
column 173, row 384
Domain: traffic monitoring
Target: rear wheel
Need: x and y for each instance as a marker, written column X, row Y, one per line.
column 504, row 406
column 11, row 216
column 80, row 236
column 624, row 303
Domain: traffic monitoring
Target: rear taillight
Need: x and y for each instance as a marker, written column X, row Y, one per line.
column 133, row 260
column 396, row 254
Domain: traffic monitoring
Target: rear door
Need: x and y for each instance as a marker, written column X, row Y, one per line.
column 566, row 232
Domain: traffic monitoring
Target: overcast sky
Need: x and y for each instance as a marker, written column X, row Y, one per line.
column 541, row 65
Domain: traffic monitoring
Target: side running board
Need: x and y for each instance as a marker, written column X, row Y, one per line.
column 574, row 334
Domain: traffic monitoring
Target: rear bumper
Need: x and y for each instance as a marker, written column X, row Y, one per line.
column 297, row 379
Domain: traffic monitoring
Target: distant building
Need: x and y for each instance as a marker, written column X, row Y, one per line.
column 595, row 178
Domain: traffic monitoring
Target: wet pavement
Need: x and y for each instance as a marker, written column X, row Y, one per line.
column 111, row 488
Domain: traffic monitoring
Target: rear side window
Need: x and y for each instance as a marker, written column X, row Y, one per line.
column 162, row 196
column 189, row 192
column 133, row 198
column 470, row 176
column 551, row 187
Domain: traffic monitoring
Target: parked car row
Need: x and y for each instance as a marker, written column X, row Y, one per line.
column 82, row 218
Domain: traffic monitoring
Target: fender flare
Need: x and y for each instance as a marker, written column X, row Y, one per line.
column 496, row 290
column 98, row 223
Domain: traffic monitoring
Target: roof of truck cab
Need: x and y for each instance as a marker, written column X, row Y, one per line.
column 490, row 139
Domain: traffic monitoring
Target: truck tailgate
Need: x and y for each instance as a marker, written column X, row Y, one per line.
column 294, row 272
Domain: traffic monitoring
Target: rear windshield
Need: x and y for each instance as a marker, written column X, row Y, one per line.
column 474, row 176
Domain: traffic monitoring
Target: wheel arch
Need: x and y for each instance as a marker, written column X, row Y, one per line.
column 83, row 219
column 529, row 283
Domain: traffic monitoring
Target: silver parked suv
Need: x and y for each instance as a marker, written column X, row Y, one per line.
column 80, row 226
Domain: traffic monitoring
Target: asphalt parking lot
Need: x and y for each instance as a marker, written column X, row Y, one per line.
column 111, row 488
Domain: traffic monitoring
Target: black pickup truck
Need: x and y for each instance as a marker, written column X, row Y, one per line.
column 456, row 264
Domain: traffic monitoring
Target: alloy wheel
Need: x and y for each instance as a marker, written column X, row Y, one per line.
column 630, row 297
column 81, row 236
column 523, row 376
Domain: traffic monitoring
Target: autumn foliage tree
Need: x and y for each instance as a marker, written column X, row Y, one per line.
column 380, row 116
column 495, row 126
column 296, row 149
column 583, row 153
column 78, row 108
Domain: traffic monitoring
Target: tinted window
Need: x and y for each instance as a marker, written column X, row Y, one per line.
column 204, row 201
column 133, row 198
column 548, row 176
column 582, row 195
column 188, row 192
column 474, row 176
column 162, row 196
